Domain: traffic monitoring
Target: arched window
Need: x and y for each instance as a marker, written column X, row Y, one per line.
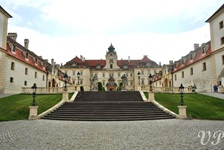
column 111, row 66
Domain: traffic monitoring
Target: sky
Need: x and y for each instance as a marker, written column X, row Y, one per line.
column 63, row 29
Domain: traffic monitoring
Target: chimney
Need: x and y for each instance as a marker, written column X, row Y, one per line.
column 26, row 43
column 196, row 46
column 159, row 63
column 13, row 36
column 128, row 58
column 171, row 62
column 46, row 60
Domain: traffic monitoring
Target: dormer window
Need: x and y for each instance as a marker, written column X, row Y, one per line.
column 182, row 61
column 35, row 60
column 203, row 50
column 74, row 64
column 191, row 56
column 13, row 47
column 27, row 55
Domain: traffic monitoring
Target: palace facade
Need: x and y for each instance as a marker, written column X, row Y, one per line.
column 109, row 71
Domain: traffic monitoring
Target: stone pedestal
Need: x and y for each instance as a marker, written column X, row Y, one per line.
column 151, row 96
column 182, row 112
column 33, row 112
column 65, row 96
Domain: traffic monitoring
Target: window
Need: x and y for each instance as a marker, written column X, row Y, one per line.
column 12, row 66
column 131, row 83
column 103, row 83
column 13, row 48
column 27, row 55
column 142, row 72
column 73, row 73
column 119, row 74
column 182, row 74
column 25, row 83
column 43, row 77
column 26, row 71
column 191, row 56
column 223, row 59
column 203, row 50
column 204, row 66
column 175, row 77
column 221, row 25
column 35, row 75
column 35, row 60
column 111, row 61
column 182, row 61
column 11, row 80
column 103, row 74
column 222, row 40
column 191, row 71
column 142, row 81
column 81, row 72
column 131, row 74
column 111, row 66
column 81, row 81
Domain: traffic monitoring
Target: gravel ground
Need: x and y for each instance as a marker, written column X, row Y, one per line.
column 123, row 135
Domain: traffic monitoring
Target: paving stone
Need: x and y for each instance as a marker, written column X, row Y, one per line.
column 63, row 135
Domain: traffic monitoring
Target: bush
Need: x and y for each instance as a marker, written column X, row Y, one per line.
column 100, row 86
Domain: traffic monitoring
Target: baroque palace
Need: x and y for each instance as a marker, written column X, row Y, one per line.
column 203, row 67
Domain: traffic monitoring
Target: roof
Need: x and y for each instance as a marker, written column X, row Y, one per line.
column 20, row 55
column 210, row 18
column 5, row 12
column 121, row 63
column 198, row 55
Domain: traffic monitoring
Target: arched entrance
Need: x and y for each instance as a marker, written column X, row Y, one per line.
column 53, row 83
column 111, row 85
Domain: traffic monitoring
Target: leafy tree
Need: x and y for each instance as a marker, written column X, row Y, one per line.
column 100, row 86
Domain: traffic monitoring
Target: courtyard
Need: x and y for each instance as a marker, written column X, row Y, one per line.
column 154, row 134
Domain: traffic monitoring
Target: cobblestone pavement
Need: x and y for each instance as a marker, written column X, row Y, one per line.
column 124, row 135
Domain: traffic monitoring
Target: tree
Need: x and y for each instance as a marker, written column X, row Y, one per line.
column 100, row 86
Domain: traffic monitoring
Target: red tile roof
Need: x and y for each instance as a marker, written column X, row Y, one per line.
column 198, row 55
column 20, row 55
column 121, row 63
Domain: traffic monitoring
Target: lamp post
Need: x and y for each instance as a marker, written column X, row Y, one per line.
column 34, row 107
column 150, row 82
column 78, row 75
column 182, row 107
column 138, row 78
column 65, row 81
column 34, row 88
column 181, row 88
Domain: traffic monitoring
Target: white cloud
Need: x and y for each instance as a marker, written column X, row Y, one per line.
column 98, row 16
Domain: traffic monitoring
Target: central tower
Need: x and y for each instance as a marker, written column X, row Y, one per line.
column 111, row 59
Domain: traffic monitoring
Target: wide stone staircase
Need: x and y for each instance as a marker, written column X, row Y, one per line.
column 108, row 106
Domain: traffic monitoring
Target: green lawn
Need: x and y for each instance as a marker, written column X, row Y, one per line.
column 16, row 107
column 198, row 106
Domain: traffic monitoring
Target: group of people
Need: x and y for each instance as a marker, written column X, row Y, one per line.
column 192, row 87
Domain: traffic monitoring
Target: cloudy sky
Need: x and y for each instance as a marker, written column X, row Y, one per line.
column 62, row 29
